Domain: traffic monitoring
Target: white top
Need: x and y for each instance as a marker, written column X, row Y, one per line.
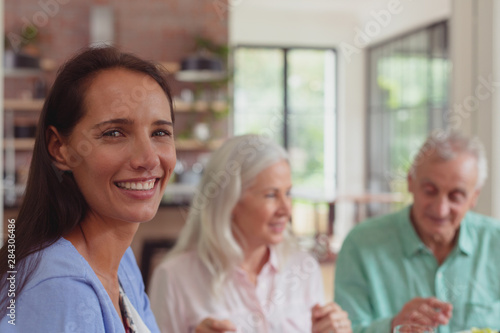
column 280, row 302
column 132, row 317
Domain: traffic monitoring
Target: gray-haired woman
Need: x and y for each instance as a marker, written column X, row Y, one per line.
column 236, row 266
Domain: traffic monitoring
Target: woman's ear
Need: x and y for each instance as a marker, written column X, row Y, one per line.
column 58, row 150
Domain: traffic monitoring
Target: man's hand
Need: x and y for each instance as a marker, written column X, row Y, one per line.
column 424, row 311
column 330, row 318
column 210, row 325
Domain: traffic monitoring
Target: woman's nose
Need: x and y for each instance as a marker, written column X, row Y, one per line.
column 144, row 154
column 285, row 205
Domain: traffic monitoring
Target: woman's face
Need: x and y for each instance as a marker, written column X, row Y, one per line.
column 263, row 211
column 122, row 151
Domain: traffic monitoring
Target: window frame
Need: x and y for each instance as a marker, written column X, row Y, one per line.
column 286, row 112
column 384, row 140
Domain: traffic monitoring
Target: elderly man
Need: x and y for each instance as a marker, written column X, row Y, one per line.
column 434, row 263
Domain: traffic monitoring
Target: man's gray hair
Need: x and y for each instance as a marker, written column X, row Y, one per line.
column 447, row 144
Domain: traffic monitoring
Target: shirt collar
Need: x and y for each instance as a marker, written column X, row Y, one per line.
column 412, row 244
column 465, row 239
column 272, row 263
column 273, row 259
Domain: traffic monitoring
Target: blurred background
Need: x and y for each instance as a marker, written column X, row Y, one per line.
column 351, row 88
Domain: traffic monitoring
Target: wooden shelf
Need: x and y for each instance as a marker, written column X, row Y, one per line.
column 20, row 143
column 193, row 144
column 22, row 72
column 46, row 65
column 34, row 105
column 200, row 106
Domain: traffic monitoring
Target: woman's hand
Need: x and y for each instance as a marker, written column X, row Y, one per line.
column 330, row 318
column 210, row 325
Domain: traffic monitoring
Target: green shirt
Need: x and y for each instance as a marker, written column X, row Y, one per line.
column 383, row 264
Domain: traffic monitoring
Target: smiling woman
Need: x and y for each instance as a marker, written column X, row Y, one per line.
column 131, row 149
column 103, row 155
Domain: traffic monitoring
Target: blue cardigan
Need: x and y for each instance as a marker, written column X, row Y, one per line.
column 65, row 295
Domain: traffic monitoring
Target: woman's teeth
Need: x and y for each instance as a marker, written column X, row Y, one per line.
column 137, row 186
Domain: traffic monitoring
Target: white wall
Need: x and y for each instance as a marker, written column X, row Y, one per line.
column 475, row 53
column 411, row 15
column 495, row 111
column 275, row 26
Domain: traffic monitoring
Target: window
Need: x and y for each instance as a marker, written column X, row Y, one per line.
column 289, row 94
column 408, row 97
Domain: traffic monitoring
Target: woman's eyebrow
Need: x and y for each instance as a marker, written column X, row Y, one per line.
column 124, row 121
column 163, row 122
column 121, row 121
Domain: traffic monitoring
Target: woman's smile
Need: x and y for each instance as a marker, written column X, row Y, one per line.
column 137, row 185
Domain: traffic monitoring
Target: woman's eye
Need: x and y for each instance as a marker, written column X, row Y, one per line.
column 112, row 133
column 162, row 133
column 270, row 195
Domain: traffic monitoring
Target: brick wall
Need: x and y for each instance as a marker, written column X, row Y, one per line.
column 160, row 30
column 155, row 29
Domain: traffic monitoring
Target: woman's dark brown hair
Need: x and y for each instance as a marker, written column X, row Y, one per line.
column 53, row 204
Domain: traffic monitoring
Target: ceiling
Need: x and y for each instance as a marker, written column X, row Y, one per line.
column 353, row 6
column 349, row 15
